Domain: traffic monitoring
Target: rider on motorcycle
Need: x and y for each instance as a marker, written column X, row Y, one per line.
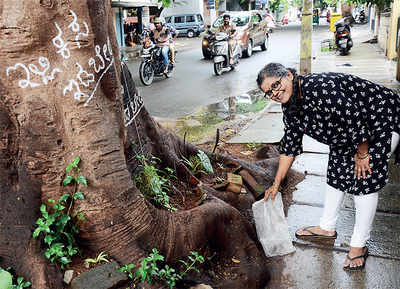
column 230, row 29
column 161, row 37
column 173, row 33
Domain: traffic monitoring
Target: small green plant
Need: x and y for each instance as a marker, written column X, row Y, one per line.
column 170, row 276
column 194, row 258
column 57, row 225
column 199, row 163
column 128, row 269
column 205, row 162
column 253, row 145
column 100, row 258
column 6, row 280
column 194, row 164
column 150, row 271
column 21, row 284
column 154, row 183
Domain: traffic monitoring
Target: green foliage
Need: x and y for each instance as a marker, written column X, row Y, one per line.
column 199, row 163
column 194, row 164
column 254, row 107
column 6, row 281
column 21, row 284
column 253, row 145
column 57, row 226
column 150, row 270
column 154, row 183
column 205, row 161
column 296, row 3
column 193, row 259
column 380, row 3
column 165, row 3
column 128, row 269
column 274, row 5
column 100, row 258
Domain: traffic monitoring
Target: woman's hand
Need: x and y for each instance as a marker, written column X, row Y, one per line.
column 272, row 190
column 361, row 166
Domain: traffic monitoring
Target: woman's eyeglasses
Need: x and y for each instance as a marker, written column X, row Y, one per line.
column 274, row 87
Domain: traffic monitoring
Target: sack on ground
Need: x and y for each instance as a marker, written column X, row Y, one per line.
column 272, row 228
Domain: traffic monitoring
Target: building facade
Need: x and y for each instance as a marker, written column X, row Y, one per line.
column 120, row 8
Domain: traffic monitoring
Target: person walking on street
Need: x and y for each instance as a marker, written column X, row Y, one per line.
column 230, row 29
column 360, row 121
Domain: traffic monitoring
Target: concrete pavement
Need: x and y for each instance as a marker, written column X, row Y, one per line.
column 316, row 265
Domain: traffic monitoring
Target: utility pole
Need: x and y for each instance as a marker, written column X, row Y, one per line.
column 306, row 36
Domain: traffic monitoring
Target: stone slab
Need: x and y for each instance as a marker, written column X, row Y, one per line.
column 384, row 240
column 313, row 268
column 389, row 201
column 310, row 163
column 310, row 191
column 394, row 172
column 268, row 129
column 101, row 277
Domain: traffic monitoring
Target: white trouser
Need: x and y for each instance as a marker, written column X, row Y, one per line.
column 365, row 206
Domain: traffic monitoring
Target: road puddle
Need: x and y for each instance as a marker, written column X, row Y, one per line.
column 228, row 115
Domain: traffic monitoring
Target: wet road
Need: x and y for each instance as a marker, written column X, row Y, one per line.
column 194, row 84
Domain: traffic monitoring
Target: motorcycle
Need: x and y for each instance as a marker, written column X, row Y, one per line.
column 220, row 52
column 343, row 36
column 359, row 17
column 152, row 62
column 207, row 43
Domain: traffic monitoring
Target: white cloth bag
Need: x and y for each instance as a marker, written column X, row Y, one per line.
column 272, row 228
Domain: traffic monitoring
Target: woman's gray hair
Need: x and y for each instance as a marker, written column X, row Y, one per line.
column 273, row 69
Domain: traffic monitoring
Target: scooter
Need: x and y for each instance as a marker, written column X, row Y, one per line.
column 220, row 52
column 343, row 36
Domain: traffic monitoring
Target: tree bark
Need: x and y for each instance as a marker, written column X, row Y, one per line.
column 60, row 97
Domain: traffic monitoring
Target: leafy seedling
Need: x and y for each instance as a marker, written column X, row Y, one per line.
column 100, row 258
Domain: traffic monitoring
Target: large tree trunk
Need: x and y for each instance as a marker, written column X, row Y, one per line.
column 60, row 98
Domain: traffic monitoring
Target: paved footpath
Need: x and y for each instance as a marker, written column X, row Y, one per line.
column 316, row 265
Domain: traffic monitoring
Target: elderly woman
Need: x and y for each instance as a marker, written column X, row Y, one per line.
column 359, row 120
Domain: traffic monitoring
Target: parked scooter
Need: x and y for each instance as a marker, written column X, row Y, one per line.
column 343, row 36
column 220, row 52
column 152, row 61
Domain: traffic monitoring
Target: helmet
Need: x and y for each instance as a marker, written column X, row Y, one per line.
column 159, row 20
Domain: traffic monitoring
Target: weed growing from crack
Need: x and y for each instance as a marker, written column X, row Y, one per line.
column 150, row 270
column 154, row 183
column 57, row 225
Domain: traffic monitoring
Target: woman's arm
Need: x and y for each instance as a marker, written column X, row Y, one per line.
column 361, row 161
column 285, row 162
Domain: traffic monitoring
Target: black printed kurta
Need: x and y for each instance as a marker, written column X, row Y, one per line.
column 343, row 111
